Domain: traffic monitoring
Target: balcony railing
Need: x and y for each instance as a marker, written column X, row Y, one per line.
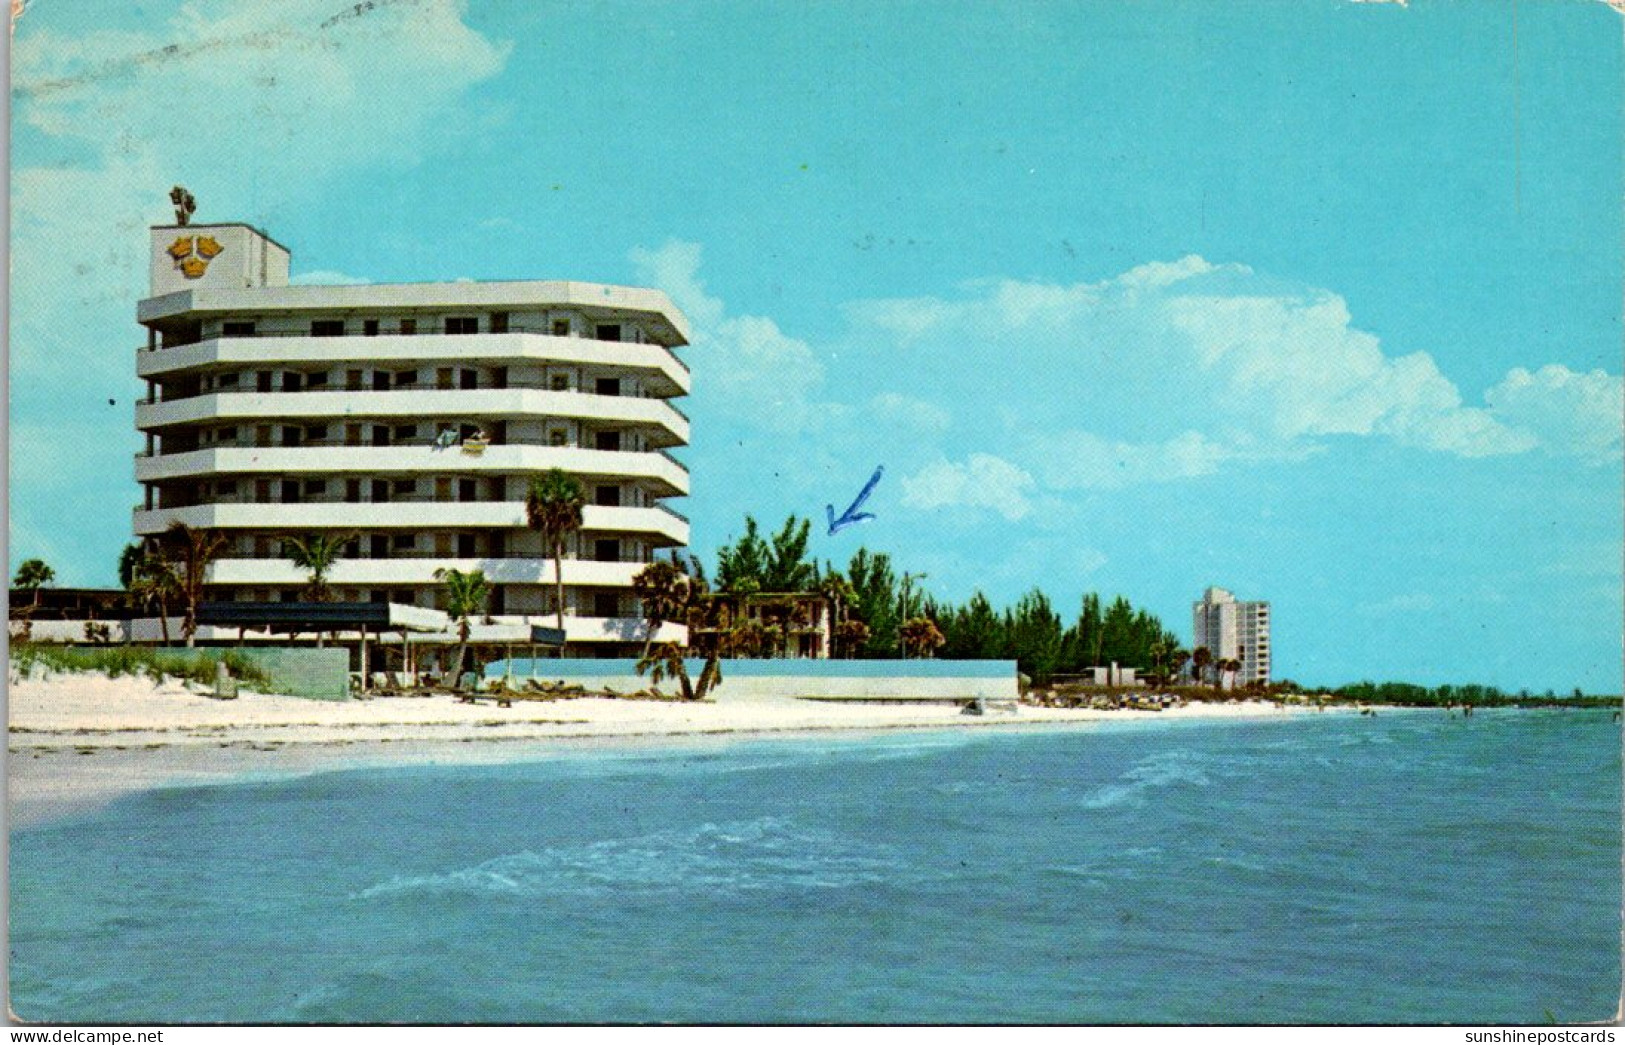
column 415, row 442
column 398, row 332
column 411, row 386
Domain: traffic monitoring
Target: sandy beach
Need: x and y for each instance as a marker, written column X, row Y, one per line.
column 77, row 739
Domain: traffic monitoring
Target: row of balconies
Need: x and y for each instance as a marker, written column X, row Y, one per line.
column 665, row 475
column 658, row 521
column 667, row 425
column 420, row 571
column 526, row 346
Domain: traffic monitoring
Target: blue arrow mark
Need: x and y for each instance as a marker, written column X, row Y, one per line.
column 852, row 516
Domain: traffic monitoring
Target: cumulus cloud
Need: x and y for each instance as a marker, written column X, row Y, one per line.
column 980, row 481
column 1176, row 369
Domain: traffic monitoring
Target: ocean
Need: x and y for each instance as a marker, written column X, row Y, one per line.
column 1411, row 868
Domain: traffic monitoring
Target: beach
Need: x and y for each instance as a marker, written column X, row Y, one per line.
column 79, row 739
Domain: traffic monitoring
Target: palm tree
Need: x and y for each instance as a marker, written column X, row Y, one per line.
column 32, row 575
column 317, row 552
column 1177, row 659
column 1201, row 657
column 466, row 596
column 553, row 508
column 663, row 589
column 193, row 549
column 853, row 634
column 153, row 583
column 921, row 635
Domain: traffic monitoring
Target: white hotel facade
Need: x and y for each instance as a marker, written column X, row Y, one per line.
column 412, row 416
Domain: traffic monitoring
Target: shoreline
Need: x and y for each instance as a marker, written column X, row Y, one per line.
column 78, row 741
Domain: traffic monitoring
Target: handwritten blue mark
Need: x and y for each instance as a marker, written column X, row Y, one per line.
column 851, row 517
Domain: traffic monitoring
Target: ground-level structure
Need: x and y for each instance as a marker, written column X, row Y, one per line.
column 1234, row 630
column 409, row 420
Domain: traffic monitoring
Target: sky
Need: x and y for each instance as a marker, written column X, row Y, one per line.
column 1319, row 302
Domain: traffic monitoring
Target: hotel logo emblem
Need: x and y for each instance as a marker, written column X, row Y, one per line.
column 192, row 254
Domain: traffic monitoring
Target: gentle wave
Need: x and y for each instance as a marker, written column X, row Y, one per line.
column 1174, row 768
column 766, row 853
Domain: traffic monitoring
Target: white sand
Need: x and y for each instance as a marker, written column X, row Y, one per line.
column 145, row 735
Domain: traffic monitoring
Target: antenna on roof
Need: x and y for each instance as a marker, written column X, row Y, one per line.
column 185, row 204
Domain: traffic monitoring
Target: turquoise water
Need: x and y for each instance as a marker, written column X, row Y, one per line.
column 1409, row 868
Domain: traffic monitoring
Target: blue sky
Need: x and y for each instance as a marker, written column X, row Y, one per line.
column 1316, row 301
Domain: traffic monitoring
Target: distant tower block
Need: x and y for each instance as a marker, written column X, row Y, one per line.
column 1233, row 630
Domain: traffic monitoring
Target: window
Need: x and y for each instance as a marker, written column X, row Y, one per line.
column 499, row 322
column 404, row 596
column 403, row 542
column 466, row 490
column 315, row 433
column 557, row 437
column 406, row 432
column 352, row 380
column 292, row 381
column 465, row 546
column 314, row 487
column 469, row 379
column 327, row 328
column 380, row 491
column 352, row 491
column 292, row 435
column 406, row 487
column 499, row 377
column 352, row 435
column 226, row 435
column 409, row 327
column 226, row 488
column 290, row 596
column 380, row 435
column 262, row 381
column 379, row 550
column 608, row 386
column 607, row 550
column 228, row 380
column 607, row 440
column 609, row 332
column 442, row 378
column 369, row 327
column 462, row 325
column 236, row 328
column 406, row 377
column 561, row 382
column 316, row 380
column 561, row 328
column 380, row 380
column 607, row 496
column 606, row 604
column 290, row 492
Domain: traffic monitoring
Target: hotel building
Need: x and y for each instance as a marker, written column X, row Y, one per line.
column 409, row 418
column 1234, row 630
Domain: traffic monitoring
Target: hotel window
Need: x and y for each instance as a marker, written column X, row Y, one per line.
column 499, row 377
column 380, row 435
column 380, row 380
column 352, row 380
column 406, row 377
column 442, row 378
column 226, row 488
column 466, row 490
column 352, row 435
column 403, row 542
column 327, row 328
column 557, row 437
column 380, row 491
column 561, row 328
column 404, row 596
column 607, row 496
column 228, row 380
column 405, row 487
column 379, row 550
column 369, row 327
column 606, row 604
column 609, row 332
column 226, row 435
column 465, row 546
column 236, row 329
column 499, row 322
column 469, row 379
column 352, row 548
column 352, row 491
column 406, row 432
column 607, row 550
column 262, row 491
column 262, row 381
column 315, row 433
column 561, row 382
column 316, row 380
column 292, row 381
column 409, row 326
column 314, row 487
column 608, row 386
column 607, row 440
column 462, row 325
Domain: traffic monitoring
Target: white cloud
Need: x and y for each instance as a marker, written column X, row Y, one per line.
column 327, row 278
column 1176, row 369
column 980, row 481
column 1563, row 411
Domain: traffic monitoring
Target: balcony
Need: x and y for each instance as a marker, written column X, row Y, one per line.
column 421, row 570
column 665, row 472
column 416, row 515
column 664, row 422
column 517, row 345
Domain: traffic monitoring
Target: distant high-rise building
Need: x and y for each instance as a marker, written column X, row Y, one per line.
column 1233, row 630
